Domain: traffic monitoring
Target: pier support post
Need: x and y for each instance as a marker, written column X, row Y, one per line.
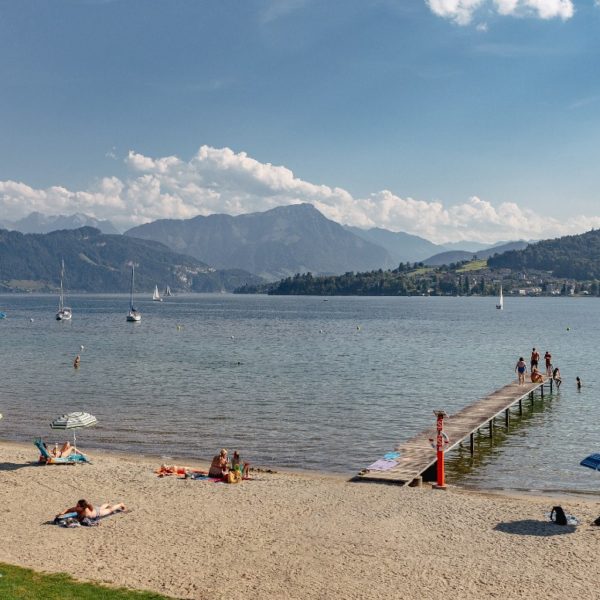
column 542, row 390
column 472, row 443
column 531, row 397
column 521, row 406
column 551, row 382
column 507, row 417
column 491, row 427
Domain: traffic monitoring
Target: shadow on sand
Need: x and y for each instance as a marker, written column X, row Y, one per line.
column 532, row 527
column 6, row 466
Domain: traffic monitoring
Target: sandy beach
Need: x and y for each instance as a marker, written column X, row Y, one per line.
column 287, row 535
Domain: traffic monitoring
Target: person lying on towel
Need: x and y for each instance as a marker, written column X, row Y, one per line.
column 85, row 510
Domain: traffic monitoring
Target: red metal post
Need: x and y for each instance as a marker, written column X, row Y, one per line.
column 440, row 441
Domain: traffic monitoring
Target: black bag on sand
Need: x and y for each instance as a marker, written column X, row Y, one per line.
column 558, row 515
column 597, row 522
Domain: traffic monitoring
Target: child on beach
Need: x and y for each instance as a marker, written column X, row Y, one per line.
column 236, row 464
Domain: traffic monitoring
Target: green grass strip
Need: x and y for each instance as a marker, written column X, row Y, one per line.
column 17, row 583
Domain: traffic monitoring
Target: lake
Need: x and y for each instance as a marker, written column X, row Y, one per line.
column 304, row 382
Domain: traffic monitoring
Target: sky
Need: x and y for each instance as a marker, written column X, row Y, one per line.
column 449, row 119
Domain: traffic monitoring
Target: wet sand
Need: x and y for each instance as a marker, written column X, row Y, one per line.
column 292, row 535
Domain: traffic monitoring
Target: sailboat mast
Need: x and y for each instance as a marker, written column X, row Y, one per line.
column 131, row 291
column 61, row 300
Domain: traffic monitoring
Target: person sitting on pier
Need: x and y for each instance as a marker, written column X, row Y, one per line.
column 521, row 367
column 536, row 376
column 556, row 377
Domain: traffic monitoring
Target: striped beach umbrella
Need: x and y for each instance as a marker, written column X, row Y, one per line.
column 74, row 420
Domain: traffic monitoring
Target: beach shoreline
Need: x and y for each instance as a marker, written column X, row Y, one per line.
column 287, row 535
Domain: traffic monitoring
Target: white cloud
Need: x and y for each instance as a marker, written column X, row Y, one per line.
column 463, row 11
column 219, row 180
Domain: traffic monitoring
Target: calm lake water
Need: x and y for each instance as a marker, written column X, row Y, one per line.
column 304, row 382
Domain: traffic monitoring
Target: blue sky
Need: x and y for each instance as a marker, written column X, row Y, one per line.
column 452, row 119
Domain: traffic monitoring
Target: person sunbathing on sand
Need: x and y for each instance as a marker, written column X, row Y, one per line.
column 85, row 510
column 536, row 376
column 219, row 465
column 65, row 450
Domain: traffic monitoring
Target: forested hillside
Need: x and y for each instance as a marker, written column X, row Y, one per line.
column 573, row 257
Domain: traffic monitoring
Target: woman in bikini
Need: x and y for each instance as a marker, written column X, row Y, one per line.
column 85, row 510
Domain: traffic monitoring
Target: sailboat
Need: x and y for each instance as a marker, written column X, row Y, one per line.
column 64, row 312
column 156, row 296
column 168, row 292
column 133, row 315
column 500, row 304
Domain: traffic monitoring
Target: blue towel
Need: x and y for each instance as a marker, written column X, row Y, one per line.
column 391, row 455
column 592, row 462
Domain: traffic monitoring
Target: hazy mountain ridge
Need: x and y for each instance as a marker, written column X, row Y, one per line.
column 273, row 244
column 96, row 262
column 37, row 222
column 402, row 247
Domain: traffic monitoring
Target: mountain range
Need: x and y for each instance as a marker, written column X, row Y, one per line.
column 279, row 242
column 96, row 262
column 273, row 244
column 37, row 222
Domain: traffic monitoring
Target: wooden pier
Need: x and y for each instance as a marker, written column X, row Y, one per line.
column 416, row 456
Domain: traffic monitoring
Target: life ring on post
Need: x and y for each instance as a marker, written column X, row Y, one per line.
column 433, row 440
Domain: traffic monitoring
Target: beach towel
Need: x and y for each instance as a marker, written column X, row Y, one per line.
column 382, row 465
column 391, row 455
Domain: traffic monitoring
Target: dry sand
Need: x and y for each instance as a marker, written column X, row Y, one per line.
column 292, row 536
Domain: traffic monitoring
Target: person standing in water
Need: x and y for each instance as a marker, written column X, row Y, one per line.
column 548, row 359
column 578, row 384
column 521, row 368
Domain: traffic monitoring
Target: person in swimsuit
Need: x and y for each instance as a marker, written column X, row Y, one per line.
column 85, row 510
column 219, row 467
column 520, row 368
column 548, row 359
column 77, row 362
column 556, row 377
column 578, row 384
column 535, row 357
column 536, row 376
column 65, row 450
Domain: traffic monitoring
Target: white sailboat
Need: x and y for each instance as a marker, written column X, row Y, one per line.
column 168, row 292
column 133, row 315
column 500, row 305
column 64, row 312
column 156, row 296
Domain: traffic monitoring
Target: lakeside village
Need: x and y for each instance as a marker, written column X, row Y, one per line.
column 469, row 278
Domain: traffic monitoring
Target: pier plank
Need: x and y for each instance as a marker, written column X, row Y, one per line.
column 417, row 455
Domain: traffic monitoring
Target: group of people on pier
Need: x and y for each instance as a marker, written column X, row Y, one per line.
column 535, row 374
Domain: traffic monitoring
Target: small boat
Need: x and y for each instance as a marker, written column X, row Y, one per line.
column 156, row 296
column 64, row 312
column 133, row 315
column 168, row 292
column 500, row 304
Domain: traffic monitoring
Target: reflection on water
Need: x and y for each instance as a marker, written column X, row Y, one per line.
column 303, row 383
